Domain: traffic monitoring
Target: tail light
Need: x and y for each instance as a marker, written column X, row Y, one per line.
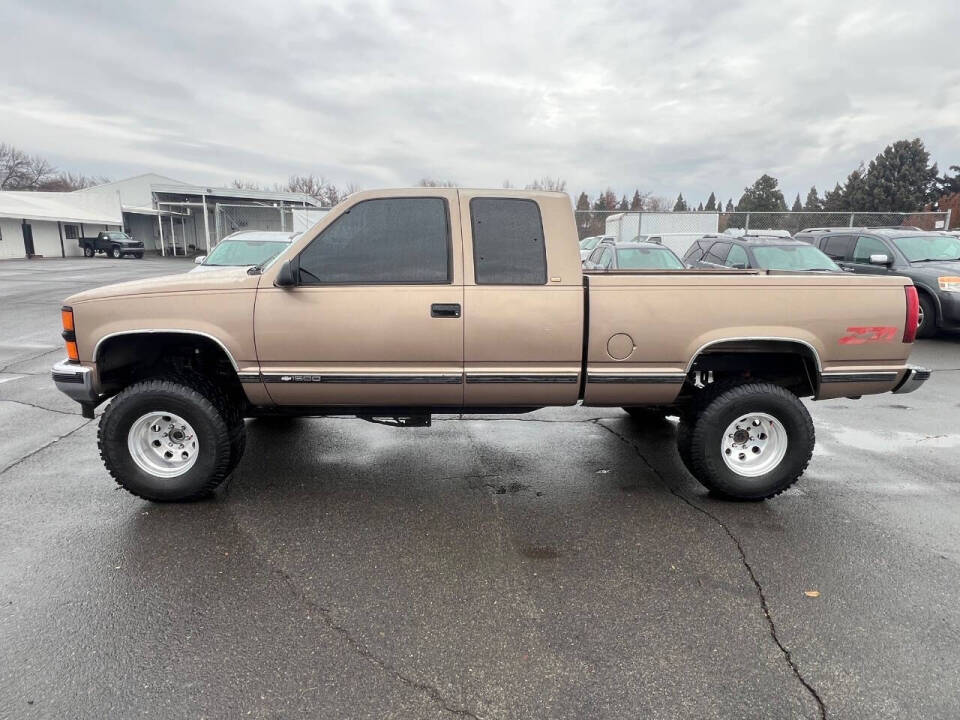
column 69, row 333
column 913, row 314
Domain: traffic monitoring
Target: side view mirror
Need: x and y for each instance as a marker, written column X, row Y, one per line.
column 198, row 260
column 287, row 277
column 880, row 259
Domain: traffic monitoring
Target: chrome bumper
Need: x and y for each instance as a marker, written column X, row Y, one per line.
column 912, row 379
column 76, row 382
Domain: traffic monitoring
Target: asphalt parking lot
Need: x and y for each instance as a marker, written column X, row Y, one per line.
column 560, row 564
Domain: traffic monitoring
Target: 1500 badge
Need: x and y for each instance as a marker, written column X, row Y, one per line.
column 864, row 335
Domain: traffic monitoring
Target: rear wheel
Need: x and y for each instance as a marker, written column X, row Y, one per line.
column 165, row 441
column 88, row 251
column 116, row 252
column 750, row 442
column 927, row 318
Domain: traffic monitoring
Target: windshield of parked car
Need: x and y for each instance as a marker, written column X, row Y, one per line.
column 647, row 258
column 244, row 252
column 792, row 257
column 117, row 235
column 590, row 243
column 918, row 248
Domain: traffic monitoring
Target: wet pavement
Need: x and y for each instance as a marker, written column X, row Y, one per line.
column 560, row 564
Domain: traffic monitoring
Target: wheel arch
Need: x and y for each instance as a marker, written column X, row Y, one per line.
column 768, row 358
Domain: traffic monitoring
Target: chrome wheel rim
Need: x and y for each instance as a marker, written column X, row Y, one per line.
column 753, row 444
column 163, row 444
column 919, row 316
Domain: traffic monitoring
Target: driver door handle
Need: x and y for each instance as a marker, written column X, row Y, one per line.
column 445, row 310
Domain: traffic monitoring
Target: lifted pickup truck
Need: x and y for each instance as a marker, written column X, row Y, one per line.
column 114, row 243
column 401, row 304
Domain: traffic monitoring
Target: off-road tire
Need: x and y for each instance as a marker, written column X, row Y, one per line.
column 929, row 327
column 116, row 253
column 88, row 251
column 229, row 409
column 684, row 433
column 706, row 434
column 213, row 435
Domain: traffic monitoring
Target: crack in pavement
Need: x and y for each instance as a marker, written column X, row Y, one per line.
column 38, row 407
column 764, row 606
column 325, row 615
column 45, row 446
column 48, row 351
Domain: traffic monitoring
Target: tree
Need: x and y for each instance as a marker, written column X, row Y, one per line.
column 797, row 205
column 624, row 205
column 833, row 199
column 430, row 182
column 855, row 191
column 948, row 185
column 899, row 178
column 656, row 203
column 700, row 207
column 711, row 205
column 549, row 184
column 729, row 208
column 637, row 202
column 20, row 171
column 244, row 184
column 681, row 204
column 762, row 196
column 813, row 202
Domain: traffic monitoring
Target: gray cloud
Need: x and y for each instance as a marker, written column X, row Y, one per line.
column 690, row 95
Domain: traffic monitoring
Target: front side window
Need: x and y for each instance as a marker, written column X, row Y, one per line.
column 508, row 242
column 382, row 241
column 919, row 248
column 737, row 257
column 867, row 246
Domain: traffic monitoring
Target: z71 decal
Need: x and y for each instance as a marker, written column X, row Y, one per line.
column 864, row 335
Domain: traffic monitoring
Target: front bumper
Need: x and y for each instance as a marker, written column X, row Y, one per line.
column 913, row 378
column 76, row 382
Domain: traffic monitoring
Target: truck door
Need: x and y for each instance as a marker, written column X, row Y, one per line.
column 523, row 300
column 375, row 319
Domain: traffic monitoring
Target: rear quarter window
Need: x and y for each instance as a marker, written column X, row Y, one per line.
column 508, row 242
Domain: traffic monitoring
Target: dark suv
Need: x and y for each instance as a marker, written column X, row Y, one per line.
column 757, row 251
column 930, row 259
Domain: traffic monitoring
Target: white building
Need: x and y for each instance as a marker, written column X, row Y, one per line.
column 178, row 218
column 48, row 224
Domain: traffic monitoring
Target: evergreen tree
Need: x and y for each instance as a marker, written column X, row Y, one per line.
column 729, row 208
column 624, row 205
column 949, row 185
column 813, row 203
column 797, row 206
column 680, row 204
column 637, row 202
column 762, row 196
column 584, row 216
column 856, row 195
column 833, row 199
column 711, row 205
column 700, row 207
column 899, row 178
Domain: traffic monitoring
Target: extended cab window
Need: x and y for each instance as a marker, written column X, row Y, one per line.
column 508, row 244
column 737, row 257
column 867, row 246
column 388, row 240
column 717, row 253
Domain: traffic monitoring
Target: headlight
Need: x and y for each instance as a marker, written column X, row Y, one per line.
column 949, row 284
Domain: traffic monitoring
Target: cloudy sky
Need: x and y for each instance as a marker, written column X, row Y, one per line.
column 667, row 96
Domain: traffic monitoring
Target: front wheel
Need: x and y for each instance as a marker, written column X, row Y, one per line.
column 116, row 252
column 165, row 441
column 751, row 442
column 927, row 317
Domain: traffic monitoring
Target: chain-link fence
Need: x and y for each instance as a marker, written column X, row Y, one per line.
column 626, row 225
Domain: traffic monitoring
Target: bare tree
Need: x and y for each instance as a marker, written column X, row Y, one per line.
column 549, row 184
column 20, row 171
column 67, row 182
column 244, row 184
column 655, row 203
column 430, row 182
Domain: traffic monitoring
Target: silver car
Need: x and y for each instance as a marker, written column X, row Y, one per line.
column 245, row 249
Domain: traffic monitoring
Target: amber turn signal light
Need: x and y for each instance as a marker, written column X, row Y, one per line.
column 72, row 351
column 69, row 333
column 66, row 317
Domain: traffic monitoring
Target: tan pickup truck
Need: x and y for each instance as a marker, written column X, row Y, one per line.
column 405, row 303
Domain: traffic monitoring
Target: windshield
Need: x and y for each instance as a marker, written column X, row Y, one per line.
column 117, row 235
column 589, row 243
column 917, row 248
column 792, row 257
column 244, row 252
column 647, row 258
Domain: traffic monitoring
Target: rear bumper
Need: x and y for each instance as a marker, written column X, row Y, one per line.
column 76, row 382
column 913, row 378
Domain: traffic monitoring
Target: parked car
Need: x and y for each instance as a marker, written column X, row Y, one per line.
column 632, row 256
column 588, row 244
column 679, row 243
column 245, row 249
column 114, row 243
column 930, row 259
column 759, row 253
column 377, row 312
